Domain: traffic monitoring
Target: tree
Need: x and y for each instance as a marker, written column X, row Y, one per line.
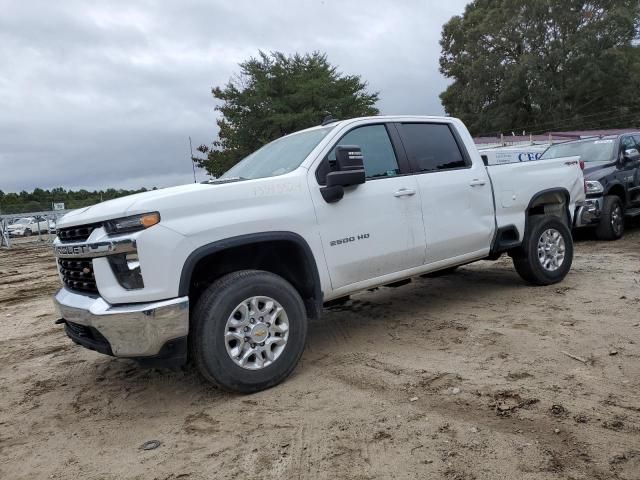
column 541, row 65
column 275, row 95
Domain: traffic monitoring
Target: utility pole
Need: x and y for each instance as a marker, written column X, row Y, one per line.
column 191, row 160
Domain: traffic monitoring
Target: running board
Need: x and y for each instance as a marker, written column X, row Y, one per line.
column 399, row 283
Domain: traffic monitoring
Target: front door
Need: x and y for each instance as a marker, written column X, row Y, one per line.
column 634, row 176
column 376, row 228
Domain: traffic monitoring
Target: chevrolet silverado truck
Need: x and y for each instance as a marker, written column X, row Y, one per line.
column 612, row 179
column 227, row 273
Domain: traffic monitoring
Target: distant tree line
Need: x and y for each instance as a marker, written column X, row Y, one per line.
column 42, row 200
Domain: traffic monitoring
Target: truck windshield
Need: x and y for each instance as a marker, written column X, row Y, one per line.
column 599, row 150
column 278, row 157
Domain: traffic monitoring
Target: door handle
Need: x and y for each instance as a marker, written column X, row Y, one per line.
column 477, row 183
column 404, row 192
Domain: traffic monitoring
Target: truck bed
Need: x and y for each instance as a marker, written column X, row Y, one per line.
column 516, row 187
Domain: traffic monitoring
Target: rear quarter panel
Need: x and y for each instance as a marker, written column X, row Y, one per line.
column 516, row 184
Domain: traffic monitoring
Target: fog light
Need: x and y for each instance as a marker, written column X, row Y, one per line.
column 126, row 269
column 132, row 261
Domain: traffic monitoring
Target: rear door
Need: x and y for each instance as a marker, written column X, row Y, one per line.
column 456, row 195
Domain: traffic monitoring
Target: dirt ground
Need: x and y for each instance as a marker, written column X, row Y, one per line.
column 460, row 377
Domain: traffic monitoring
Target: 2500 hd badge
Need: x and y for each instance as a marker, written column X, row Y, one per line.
column 343, row 241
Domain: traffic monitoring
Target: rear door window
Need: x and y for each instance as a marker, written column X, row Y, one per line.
column 431, row 147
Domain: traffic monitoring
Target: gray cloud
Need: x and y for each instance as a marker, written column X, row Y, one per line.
column 101, row 94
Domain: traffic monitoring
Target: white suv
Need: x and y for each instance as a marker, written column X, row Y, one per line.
column 23, row 227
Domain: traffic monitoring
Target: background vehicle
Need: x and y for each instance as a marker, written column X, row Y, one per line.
column 23, row 227
column 511, row 154
column 52, row 226
column 612, row 180
column 228, row 272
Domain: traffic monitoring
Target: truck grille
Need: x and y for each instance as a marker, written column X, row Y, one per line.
column 77, row 234
column 78, row 275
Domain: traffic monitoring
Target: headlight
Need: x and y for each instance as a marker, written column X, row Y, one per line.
column 133, row 223
column 594, row 186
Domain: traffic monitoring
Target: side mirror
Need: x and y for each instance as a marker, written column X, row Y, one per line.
column 350, row 172
column 631, row 155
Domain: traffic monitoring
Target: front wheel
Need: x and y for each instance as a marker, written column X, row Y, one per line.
column 611, row 226
column 248, row 331
column 27, row 233
column 547, row 251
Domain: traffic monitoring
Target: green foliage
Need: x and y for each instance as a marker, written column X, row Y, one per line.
column 275, row 95
column 541, row 65
column 41, row 200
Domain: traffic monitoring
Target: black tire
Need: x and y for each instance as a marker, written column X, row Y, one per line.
column 611, row 226
column 27, row 233
column 208, row 325
column 526, row 261
column 440, row 273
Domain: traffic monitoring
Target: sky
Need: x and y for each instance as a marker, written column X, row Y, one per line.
column 98, row 94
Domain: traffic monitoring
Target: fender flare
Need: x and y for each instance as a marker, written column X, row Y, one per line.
column 616, row 184
column 562, row 191
column 251, row 238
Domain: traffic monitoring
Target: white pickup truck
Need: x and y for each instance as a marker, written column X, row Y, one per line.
column 228, row 272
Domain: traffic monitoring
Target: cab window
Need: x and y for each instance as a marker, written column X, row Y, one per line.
column 431, row 147
column 626, row 143
column 377, row 151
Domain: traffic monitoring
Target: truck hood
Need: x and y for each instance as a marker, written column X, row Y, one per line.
column 125, row 206
column 597, row 170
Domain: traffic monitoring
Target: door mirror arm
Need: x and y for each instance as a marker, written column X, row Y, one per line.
column 332, row 194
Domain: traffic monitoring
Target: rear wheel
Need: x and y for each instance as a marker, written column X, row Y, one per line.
column 546, row 253
column 248, row 331
column 611, row 226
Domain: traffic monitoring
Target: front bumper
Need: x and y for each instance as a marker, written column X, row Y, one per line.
column 589, row 213
column 143, row 331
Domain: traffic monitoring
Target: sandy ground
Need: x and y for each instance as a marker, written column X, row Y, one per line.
column 461, row 377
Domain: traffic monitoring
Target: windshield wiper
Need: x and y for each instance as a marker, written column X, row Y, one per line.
column 225, row 180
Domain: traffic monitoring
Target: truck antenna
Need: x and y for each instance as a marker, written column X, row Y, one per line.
column 191, row 159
